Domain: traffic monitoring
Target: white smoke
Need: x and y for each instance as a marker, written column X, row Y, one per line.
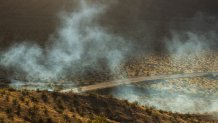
column 184, row 50
column 176, row 102
column 79, row 42
column 191, row 50
column 191, row 43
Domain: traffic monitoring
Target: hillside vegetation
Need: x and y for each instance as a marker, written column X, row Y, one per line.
column 52, row 107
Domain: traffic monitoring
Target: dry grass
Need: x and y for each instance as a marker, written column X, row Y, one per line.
column 43, row 106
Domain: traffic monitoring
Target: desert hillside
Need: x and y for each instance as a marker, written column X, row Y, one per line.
column 108, row 61
column 52, row 107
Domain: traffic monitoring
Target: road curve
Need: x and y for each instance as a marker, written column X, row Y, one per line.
column 114, row 83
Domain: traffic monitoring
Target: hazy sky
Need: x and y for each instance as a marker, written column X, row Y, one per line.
column 146, row 21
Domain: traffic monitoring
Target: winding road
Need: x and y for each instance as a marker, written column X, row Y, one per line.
column 135, row 80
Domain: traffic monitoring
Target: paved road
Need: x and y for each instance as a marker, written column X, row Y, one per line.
column 134, row 80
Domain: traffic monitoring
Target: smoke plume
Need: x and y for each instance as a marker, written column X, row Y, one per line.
column 152, row 25
column 164, row 99
column 79, row 42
